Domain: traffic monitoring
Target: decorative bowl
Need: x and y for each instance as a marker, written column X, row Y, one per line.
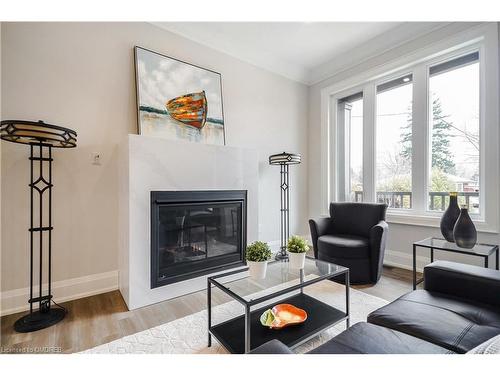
column 283, row 315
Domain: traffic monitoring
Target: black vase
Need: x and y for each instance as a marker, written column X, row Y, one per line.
column 465, row 232
column 449, row 218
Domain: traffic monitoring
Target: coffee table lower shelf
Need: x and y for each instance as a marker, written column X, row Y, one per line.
column 231, row 333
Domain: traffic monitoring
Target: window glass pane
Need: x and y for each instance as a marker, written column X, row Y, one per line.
column 454, row 133
column 394, row 143
column 356, row 151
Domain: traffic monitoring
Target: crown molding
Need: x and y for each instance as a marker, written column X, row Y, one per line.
column 376, row 46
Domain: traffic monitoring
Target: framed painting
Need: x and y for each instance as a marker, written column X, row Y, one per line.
column 178, row 100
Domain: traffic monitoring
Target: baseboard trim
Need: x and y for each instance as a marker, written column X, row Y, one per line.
column 14, row 301
column 403, row 260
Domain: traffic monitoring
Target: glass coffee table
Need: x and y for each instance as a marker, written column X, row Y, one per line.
column 479, row 250
column 282, row 284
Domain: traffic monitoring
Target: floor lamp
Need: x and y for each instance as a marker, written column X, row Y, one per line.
column 284, row 160
column 41, row 138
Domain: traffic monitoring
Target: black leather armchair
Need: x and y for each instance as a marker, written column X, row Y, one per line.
column 354, row 236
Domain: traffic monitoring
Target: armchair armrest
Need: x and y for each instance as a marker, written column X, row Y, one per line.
column 272, row 347
column 463, row 281
column 378, row 239
column 318, row 228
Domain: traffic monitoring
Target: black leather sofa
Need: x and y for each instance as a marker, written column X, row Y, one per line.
column 458, row 309
column 354, row 236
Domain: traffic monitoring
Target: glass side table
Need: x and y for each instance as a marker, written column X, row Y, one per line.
column 479, row 250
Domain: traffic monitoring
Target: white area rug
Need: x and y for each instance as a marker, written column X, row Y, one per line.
column 188, row 335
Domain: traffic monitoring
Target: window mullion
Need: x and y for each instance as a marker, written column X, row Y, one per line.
column 342, row 151
column 369, row 116
column 420, row 136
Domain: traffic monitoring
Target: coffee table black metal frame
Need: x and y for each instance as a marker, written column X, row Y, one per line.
column 494, row 250
column 328, row 315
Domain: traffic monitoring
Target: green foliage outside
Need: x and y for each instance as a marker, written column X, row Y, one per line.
column 442, row 157
column 439, row 182
column 297, row 244
column 397, row 183
column 258, row 252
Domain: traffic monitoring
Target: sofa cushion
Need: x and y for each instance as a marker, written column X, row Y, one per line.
column 344, row 246
column 463, row 281
column 453, row 323
column 366, row 338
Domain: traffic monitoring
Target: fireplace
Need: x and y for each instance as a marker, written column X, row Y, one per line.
column 194, row 233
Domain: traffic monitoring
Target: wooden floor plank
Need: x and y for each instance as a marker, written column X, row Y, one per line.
column 102, row 318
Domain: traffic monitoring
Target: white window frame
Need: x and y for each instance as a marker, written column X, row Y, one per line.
column 391, row 77
column 484, row 39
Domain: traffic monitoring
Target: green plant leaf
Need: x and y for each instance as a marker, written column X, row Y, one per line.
column 267, row 318
column 297, row 244
column 258, row 251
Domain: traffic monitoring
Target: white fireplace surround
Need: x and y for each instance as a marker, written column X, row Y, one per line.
column 149, row 163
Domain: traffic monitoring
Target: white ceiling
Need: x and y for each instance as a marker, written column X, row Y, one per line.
column 291, row 49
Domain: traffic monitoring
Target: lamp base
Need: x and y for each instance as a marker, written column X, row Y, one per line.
column 39, row 320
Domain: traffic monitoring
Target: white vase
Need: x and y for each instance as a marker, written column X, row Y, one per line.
column 257, row 270
column 296, row 260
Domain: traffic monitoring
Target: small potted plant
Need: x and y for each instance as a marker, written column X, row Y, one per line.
column 258, row 254
column 297, row 248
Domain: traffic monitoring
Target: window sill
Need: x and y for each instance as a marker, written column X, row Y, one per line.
column 433, row 221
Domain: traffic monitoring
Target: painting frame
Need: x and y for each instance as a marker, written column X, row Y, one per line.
column 138, row 88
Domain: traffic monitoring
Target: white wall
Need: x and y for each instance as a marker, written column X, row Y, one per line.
column 400, row 236
column 81, row 75
column 151, row 164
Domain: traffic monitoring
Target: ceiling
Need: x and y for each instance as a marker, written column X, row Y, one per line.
column 291, row 49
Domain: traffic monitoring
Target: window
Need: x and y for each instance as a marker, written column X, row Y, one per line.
column 454, row 133
column 351, row 117
column 356, row 151
column 409, row 131
column 410, row 137
column 394, row 143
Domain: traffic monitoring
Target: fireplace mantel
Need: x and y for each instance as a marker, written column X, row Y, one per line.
column 153, row 164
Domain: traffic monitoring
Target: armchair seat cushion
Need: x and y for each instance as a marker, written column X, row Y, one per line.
column 344, row 246
column 450, row 322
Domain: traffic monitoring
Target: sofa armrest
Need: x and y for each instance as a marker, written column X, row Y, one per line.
column 318, row 228
column 378, row 239
column 272, row 347
column 463, row 281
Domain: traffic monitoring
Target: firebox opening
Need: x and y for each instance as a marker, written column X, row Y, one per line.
column 194, row 233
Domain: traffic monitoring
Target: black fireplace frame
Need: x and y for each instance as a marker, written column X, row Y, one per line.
column 159, row 198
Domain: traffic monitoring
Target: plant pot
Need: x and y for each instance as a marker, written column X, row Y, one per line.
column 465, row 232
column 449, row 218
column 296, row 260
column 257, row 270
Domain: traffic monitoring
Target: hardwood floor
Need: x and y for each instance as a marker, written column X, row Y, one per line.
column 103, row 318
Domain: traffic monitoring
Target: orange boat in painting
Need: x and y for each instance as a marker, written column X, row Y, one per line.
column 190, row 109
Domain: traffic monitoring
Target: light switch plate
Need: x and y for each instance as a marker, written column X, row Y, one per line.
column 96, row 158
